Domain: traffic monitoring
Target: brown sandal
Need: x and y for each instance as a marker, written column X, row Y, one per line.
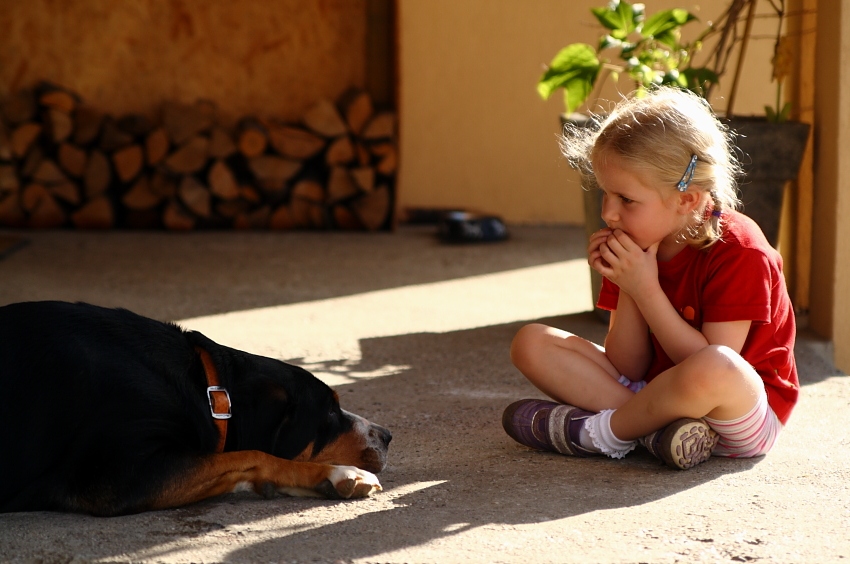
column 682, row 444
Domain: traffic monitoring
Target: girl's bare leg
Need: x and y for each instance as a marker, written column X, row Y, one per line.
column 567, row 368
column 715, row 382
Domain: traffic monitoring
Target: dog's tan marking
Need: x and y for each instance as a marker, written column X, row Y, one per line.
column 223, row 473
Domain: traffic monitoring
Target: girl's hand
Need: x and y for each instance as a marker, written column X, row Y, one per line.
column 623, row 262
column 596, row 240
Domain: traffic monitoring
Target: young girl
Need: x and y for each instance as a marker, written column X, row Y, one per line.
column 699, row 356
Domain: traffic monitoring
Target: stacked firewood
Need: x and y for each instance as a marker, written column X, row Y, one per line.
column 65, row 164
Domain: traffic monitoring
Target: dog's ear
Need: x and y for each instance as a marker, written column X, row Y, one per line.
column 335, row 422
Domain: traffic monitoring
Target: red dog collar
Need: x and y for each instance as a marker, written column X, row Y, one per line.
column 218, row 398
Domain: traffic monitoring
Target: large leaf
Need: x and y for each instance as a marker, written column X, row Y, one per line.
column 620, row 18
column 574, row 69
column 663, row 22
column 576, row 92
column 669, row 38
column 573, row 56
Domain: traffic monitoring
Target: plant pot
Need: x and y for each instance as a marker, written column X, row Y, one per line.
column 592, row 211
column 771, row 154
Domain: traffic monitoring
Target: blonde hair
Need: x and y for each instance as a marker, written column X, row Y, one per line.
column 657, row 135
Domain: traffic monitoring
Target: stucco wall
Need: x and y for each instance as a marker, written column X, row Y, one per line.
column 474, row 131
column 261, row 57
column 475, row 134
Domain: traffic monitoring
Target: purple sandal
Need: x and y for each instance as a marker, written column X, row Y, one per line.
column 546, row 425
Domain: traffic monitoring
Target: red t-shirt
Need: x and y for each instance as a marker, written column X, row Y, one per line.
column 738, row 278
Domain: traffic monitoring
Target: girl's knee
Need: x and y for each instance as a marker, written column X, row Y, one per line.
column 716, row 368
column 535, row 339
column 527, row 342
column 720, row 360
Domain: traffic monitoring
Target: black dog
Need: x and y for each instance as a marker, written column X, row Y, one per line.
column 108, row 412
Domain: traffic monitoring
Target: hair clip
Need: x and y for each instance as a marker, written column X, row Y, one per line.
column 688, row 176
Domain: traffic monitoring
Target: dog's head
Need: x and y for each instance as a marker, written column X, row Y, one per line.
column 296, row 416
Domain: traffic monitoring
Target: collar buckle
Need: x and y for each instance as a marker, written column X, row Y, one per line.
column 219, row 400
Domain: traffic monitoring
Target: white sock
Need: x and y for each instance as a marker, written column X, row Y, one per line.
column 598, row 428
column 585, row 440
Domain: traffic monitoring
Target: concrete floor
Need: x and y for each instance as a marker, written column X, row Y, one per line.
column 414, row 335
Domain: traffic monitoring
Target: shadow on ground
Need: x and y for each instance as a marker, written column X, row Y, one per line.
column 456, row 488
column 445, row 412
column 452, row 469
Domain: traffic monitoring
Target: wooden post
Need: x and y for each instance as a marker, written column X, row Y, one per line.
column 805, row 112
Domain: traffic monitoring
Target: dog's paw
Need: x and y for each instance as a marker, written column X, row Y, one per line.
column 348, row 482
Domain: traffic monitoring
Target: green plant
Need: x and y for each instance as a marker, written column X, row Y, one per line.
column 650, row 49
column 783, row 57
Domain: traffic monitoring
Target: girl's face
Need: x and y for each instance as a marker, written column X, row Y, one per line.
column 631, row 204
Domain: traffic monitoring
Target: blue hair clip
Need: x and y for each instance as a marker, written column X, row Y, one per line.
column 688, row 176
